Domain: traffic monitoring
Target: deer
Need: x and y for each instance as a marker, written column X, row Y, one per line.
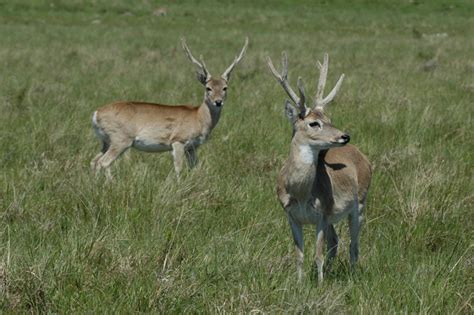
column 154, row 127
column 324, row 179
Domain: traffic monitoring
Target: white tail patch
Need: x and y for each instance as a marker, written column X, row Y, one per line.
column 94, row 118
column 98, row 131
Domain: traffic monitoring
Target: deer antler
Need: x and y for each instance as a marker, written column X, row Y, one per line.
column 283, row 79
column 319, row 101
column 205, row 73
column 227, row 72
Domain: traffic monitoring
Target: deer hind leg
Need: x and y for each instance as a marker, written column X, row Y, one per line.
column 178, row 157
column 297, row 231
column 320, row 234
column 191, row 157
column 105, row 147
column 115, row 149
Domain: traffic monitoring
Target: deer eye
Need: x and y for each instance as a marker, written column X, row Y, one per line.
column 225, row 88
column 208, row 89
column 315, row 124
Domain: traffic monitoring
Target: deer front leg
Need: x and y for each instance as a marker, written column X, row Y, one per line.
column 320, row 234
column 332, row 244
column 354, row 229
column 178, row 157
column 361, row 208
column 297, row 231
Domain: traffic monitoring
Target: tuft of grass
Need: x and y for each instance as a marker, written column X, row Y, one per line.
column 218, row 240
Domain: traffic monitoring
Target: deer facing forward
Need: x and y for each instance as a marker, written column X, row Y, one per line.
column 156, row 127
column 324, row 179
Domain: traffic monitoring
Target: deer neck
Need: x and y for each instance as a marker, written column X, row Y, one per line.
column 209, row 116
column 301, row 169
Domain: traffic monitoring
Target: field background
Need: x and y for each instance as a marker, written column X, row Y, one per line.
column 218, row 241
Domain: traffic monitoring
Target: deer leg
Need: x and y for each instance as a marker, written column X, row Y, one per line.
column 110, row 156
column 320, row 234
column 191, row 157
column 105, row 147
column 361, row 211
column 94, row 161
column 178, row 157
column 332, row 244
column 297, row 231
column 354, row 229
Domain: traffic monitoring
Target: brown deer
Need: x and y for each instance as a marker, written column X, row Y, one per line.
column 324, row 179
column 156, row 127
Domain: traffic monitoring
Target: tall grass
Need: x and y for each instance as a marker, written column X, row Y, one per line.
column 218, row 240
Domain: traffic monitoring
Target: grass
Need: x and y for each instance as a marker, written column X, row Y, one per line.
column 218, row 241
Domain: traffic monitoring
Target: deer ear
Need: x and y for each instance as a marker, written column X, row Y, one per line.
column 291, row 112
column 201, row 76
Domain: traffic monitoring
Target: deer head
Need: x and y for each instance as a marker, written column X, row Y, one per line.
column 310, row 125
column 216, row 88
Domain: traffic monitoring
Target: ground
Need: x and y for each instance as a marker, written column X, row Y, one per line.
column 218, row 240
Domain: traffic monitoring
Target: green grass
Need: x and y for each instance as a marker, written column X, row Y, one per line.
column 218, row 241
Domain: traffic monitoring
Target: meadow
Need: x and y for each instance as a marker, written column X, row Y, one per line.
column 218, row 240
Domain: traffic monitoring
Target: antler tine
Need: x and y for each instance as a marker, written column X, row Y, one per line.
column 189, row 54
column 237, row 59
column 333, row 92
column 323, row 73
column 273, row 70
column 203, row 64
column 194, row 60
column 284, row 64
column 302, row 104
column 319, row 101
column 283, row 78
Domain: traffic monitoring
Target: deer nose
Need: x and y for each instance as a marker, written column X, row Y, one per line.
column 346, row 138
column 218, row 103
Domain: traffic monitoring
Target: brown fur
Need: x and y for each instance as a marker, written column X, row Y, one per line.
column 156, row 127
column 324, row 179
column 334, row 186
column 170, row 123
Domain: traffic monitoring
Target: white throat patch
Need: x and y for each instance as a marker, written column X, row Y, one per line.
column 306, row 154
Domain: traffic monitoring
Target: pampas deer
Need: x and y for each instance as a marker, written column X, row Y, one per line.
column 156, row 127
column 324, row 179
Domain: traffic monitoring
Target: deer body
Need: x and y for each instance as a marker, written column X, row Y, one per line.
column 154, row 127
column 323, row 186
column 157, row 128
column 324, row 179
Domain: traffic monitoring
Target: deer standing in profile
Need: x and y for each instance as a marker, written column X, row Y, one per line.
column 324, row 179
column 157, row 127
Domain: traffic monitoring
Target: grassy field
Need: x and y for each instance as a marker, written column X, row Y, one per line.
column 218, row 241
